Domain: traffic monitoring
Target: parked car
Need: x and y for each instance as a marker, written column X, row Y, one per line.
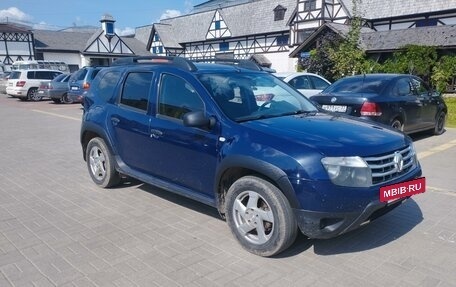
column 80, row 81
column 404, row 102
column 56, row 90
column 308, row 84
column 4, row 81
column 270, row 168
column 24, row 84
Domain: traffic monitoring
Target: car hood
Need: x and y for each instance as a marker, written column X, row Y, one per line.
column 330, row 135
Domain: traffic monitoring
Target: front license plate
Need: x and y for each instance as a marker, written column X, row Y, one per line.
column 40, row 92
column 392, row 192
column 335, row 108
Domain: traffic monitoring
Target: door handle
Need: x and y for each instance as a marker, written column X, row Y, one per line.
column 155, row 133
column 115, row 121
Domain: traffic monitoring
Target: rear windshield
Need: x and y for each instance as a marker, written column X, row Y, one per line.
column 15, row 75
column 367, row 85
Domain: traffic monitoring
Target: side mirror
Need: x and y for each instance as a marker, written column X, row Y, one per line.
column 198, row 120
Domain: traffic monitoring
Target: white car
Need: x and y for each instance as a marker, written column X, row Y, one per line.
column 307, row 84
column 24, row 84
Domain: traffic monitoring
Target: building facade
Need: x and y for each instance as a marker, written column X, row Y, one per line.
column 279, row 30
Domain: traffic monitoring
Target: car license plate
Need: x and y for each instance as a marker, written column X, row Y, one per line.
column 392, row 192
column 74, row 88
column 40, row 92
column 335, row 108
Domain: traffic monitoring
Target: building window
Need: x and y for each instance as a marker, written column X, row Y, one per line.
column 282, row 40
column 279, row 13
column 310, row 5
column 217, row 25
column 224, row 46
column 426, row 22
column 156, row 37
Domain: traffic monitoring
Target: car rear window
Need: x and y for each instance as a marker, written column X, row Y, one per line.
column 15, row 75
column 350, row 85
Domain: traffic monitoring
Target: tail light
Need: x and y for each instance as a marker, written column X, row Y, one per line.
column 45, row 86
column 20, row 83
column 86, row 86
column 371, row 109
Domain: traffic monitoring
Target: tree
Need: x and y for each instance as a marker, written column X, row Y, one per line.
column 443, row 72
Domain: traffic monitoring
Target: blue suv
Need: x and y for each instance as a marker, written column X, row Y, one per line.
column 237, row 138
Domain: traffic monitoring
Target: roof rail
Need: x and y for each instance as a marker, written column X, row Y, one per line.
column 177, row 61
column 246, row 64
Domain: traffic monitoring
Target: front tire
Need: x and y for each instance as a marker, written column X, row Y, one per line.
column 260, row 216
column 100, row 164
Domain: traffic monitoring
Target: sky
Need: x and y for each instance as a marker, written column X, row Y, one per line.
column 60, row 14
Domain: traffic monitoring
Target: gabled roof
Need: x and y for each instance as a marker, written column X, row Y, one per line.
column 340, row 29
column 78, row 42
column 375, row 9
column 436, row 36
column 245, row 19
column 8, row 28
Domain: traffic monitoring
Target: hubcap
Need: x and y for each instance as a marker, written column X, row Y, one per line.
column 253, row 217
column 97, row 162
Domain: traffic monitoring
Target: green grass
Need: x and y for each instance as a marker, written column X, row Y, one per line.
column 451, row 119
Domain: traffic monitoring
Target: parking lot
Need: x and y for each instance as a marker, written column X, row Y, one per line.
column 58, row 229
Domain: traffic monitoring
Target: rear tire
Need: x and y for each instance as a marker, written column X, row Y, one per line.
column 100, row 164
column 260, row 216
column 440, row 123
column 32, row 95
column 65, row 99
column 398, row 125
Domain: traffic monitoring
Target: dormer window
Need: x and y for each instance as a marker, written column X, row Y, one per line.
column 279, row 13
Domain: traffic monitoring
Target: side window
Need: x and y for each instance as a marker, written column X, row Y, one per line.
column 135, row 91
column 94, row 73
column 318, row 83
column 107, row 85
column 419, row 87
column 402, row 87
column 177, row 97
column 301, row 82
column 31, row 75
column 80, row 75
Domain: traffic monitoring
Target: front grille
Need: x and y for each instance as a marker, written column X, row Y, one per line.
column 384, row 168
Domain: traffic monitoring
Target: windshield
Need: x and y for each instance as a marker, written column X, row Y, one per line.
column 250, row 96
column 351, row 85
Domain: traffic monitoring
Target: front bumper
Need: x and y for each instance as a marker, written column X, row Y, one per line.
column 323, row 225
column 328, row 211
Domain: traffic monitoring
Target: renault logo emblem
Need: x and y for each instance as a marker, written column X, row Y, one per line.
column 333, row 100
column 398, row 161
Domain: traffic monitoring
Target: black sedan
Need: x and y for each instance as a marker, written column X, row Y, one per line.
column 404, row 102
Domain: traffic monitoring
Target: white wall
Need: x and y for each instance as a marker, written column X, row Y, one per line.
column 281, row 62
column 69, row 58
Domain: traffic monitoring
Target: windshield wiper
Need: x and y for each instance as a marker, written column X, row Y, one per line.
column 266, row 116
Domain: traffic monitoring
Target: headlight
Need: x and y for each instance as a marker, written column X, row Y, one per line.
column 348, row 171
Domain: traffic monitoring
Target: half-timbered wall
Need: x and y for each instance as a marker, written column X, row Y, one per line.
column 114, row 46
column 239, row 48
column 311, row 14
column 16, row 46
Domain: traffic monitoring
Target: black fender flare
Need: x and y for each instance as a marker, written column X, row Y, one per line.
column 277, row 175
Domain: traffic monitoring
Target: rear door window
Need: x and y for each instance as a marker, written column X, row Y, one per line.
column 136, row 89
column 107, row 85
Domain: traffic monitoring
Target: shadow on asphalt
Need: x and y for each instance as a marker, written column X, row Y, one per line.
column 377, row 233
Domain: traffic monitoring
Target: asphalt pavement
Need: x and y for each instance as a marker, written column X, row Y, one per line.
column 58, row 229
